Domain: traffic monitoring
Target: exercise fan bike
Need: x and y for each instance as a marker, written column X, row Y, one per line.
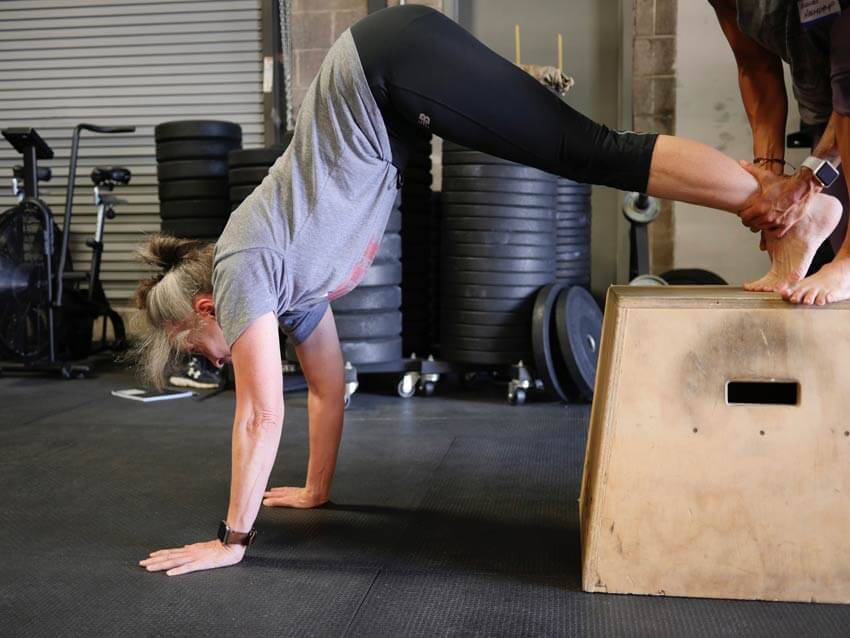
column 47, row 309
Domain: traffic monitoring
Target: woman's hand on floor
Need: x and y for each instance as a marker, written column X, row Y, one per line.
column 194, row 558
column 297, row 497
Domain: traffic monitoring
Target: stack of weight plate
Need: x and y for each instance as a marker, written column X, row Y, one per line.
column 498, row 250
column 436, row 242
column 192, row 174
column 248, row 167
column 368, row 319
column 572, row 217
column 420, row 254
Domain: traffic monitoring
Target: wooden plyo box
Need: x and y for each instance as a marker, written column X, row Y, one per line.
column 718, row 457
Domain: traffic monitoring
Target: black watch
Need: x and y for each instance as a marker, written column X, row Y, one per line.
column 228, row 537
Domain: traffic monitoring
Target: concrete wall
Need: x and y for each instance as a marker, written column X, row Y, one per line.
column 592, row 54
column 709, row 109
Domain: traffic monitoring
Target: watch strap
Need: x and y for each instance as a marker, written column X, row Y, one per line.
column 230, row 537
column 817, row 165
column 812, row 163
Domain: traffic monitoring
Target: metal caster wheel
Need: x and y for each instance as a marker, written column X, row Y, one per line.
column 66, row 372
column 405, row 389
column 517, row 397
column 407, row 386
column 351, row 384
column 428, row 388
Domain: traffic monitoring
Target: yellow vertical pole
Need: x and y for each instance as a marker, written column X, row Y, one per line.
column 517, row 45
column 560, row 53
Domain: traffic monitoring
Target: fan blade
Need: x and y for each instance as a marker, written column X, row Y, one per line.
column 13, row 280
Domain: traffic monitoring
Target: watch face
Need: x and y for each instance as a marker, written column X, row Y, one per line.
column 827, row 174
column 222, row 531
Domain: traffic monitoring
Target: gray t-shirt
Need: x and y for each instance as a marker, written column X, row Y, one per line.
column 310, row 230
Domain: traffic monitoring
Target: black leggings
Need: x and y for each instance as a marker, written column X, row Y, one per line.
column 429, row 75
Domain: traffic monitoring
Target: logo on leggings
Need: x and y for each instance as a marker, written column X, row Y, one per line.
column 424, row 120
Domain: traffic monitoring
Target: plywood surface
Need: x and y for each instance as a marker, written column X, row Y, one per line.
column 686, row 495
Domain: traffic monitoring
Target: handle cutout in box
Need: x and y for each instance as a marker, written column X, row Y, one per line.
column 762, row 392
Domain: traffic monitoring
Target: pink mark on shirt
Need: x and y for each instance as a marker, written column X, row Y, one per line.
column 358, row 272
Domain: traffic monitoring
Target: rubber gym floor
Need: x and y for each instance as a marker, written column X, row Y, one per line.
column 450, row 515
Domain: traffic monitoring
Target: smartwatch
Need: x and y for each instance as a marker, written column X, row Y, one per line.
column 228, row 537
column 824, row 172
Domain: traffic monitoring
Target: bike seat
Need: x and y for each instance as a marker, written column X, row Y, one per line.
column 44, row 174
column 110, row 175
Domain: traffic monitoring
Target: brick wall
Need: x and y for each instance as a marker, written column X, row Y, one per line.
column 654, row 100
column 316, row 24
column 434, row 4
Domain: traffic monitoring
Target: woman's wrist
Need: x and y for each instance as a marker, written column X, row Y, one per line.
column 240, row 524
column 317, row 493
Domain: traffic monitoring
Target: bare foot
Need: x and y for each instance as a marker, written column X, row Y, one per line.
column 792, row 255
column 831, row 283
column 297, row 497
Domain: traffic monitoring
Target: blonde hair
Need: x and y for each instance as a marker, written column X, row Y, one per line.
column 165, row 299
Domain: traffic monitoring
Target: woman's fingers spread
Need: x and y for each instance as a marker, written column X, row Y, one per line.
column 169, row 553
column 169, row 563
column 158, row 556
column 155, row 559
column 159, row 559
column 194, row 566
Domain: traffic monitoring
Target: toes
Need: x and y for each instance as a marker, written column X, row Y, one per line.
column 751, row 285
column 809, row 297
column 784, row 288
column 796, row 295
column 821, row 298
column 765, row 284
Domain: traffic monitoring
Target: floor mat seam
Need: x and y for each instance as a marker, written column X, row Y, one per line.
column 361, row 603
column 381, row 570
column 52, row 414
